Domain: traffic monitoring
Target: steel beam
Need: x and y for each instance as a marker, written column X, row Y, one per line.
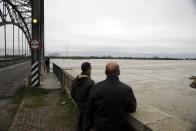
column 13, row 41
column 35, row 53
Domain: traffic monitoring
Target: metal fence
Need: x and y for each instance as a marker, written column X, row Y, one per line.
column 59, row 73
column 8, row 62
column 64, row 77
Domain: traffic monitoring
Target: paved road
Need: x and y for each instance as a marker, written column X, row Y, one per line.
column 10, row 78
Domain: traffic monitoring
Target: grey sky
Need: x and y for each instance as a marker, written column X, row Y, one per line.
column 121, row 27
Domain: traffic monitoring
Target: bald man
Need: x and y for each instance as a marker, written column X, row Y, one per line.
column 110, row 102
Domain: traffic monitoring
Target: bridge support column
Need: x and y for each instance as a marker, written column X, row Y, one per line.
column 37, row 32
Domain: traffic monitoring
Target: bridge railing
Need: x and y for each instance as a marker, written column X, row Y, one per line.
column 59, row 73
column 11, row 61
column 146, row 118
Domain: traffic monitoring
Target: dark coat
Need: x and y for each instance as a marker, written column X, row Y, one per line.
column 80, row 90
column 109, row 104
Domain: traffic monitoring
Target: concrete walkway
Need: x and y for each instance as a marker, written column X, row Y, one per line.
column 49, row 81
column 55, row 113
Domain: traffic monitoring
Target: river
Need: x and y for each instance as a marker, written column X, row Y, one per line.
column 163, row 84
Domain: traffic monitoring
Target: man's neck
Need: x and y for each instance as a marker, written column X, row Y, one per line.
column 112, row 77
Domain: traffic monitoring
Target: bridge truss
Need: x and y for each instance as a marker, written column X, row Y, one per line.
column 19, row 14
column 22, row 13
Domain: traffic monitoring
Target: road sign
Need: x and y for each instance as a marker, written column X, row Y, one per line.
column 34, row 44
column 35, row 21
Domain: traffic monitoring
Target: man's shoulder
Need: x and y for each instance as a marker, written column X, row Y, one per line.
column 125, row 86
column 100, row 83
column 97, row 88
column 91, row 80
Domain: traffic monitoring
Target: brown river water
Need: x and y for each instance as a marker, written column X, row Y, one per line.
column 163, row 84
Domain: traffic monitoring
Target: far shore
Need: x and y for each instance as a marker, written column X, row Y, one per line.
column 126, row 58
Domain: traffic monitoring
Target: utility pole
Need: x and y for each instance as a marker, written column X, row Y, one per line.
column 37, row 39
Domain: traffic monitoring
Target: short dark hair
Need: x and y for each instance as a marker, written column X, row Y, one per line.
column 85, row 66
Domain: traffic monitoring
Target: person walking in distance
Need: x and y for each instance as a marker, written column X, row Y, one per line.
column 47, row 64
column 81, row 88
column 110, row 102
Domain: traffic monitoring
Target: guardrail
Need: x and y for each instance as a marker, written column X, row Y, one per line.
column 8, row 62
column 146, row 118
column 59, row 73
column 64, row 78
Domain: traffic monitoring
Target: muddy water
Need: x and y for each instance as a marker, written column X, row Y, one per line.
column 162, row 84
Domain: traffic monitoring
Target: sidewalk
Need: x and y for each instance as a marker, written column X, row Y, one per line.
column 50, row 111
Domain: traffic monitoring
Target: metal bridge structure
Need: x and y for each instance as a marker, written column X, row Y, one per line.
column 25, row 19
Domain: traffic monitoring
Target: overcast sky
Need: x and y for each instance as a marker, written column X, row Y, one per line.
column 121, row 27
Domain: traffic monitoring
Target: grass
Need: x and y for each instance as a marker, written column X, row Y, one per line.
column 34, row 97
column 71, row 111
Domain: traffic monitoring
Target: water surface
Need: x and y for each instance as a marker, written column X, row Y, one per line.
column 163, row 84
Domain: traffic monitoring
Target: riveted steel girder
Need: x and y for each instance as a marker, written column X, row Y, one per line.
column 17, row 12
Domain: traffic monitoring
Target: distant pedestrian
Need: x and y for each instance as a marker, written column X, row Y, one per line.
column 47, row 64
column 110, row 102
column 80, row 91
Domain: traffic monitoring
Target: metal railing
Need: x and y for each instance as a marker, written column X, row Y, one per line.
column 64, row 78
column 8, row 62
column 59, row 73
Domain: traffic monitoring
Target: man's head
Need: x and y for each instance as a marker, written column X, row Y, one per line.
column 112, row 68
column 86, row 68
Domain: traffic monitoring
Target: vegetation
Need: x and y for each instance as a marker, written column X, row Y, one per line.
column 193, row 84
column 34, row 97
column 71, row 111
column 112, row 57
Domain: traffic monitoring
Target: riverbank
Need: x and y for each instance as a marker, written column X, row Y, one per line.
column 120, row 58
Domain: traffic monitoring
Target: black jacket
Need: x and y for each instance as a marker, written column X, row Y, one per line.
column 109, row 104
column 80, row 90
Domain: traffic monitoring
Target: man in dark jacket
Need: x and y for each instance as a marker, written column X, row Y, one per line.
column 110, row 102
column 80, row 91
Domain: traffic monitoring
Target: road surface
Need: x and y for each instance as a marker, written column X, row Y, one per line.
column 10, row 79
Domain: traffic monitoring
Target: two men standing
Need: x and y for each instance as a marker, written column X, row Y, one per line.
column 109, row 103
